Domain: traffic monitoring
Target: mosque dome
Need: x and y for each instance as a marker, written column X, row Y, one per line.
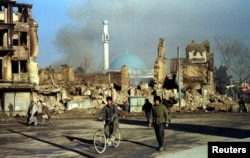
column 132, row 61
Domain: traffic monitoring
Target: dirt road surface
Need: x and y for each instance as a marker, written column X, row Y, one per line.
column 72, row 138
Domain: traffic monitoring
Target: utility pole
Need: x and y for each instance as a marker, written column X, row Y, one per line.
column 179, row 78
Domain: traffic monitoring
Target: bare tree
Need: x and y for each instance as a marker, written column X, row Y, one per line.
column 236, row 56
column 87, row 65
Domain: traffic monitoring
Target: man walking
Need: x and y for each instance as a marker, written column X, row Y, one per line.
column 46, row 114
column 159, row 119
column 147, row 109
column 32, row 113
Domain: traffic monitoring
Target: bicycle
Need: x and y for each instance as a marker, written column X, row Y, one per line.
column 101, row 141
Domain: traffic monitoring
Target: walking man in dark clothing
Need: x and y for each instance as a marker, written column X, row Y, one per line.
column 147, row 109
column 159, row 119
column 29, row 111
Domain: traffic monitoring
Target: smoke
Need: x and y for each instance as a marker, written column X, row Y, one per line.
column 76, row 43
column 136, row 26
column 82, row 39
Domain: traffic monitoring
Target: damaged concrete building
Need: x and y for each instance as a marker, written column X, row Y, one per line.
column 160, row 65
column 197, row 69
column 18, row 51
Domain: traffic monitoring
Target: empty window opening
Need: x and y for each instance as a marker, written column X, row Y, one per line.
column 15, row 42
column 23, row 38
column 23, row 66
column 14, row 64
column 1, row 37
column 1, row 75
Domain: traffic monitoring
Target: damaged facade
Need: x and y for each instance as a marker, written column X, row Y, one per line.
column 197, row 69
column 160, row 65
column 18, row 51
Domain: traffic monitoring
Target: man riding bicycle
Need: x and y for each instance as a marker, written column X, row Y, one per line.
column 110, row 115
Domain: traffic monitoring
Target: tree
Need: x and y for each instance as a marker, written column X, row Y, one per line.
column 79, row 70
column 87, row 66
column 222, row 79
column 236, row 57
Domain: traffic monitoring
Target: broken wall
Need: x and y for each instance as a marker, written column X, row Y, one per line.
column 160, row 66
column 124, row 78
column 68, row 73
column 16, row 102
column 197, row 67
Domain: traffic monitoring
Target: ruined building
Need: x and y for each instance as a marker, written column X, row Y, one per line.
column 196, row 70
column 124, row 78
column 127, row 78
column 18, row 51
column 160, row 65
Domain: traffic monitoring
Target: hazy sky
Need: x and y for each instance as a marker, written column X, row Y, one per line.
column 71, row 30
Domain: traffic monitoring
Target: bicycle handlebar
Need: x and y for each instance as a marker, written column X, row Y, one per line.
column 108, row 121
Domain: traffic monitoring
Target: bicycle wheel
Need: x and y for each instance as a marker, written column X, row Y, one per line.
column 117, row 139
column 100, row 141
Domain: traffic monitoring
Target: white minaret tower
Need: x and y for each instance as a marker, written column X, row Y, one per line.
column 105, row 41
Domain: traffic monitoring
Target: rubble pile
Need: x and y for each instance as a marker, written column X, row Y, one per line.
column 194, row 101
column 5, row 118
column 196, row 93
column 191, row 100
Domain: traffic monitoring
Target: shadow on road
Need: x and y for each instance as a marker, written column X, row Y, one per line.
column 22, row 123
column 133, row 122
column 211, row 130
column 138, row 143
column 51, row 143
column 79, row 139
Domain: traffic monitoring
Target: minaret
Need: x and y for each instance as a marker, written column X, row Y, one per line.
column 105, row 40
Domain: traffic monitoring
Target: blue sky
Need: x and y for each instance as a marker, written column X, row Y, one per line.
column 70, row 30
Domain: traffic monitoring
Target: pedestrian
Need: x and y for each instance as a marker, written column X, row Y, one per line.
column 46, row 114
column 29, row 111
column 11, row 109
column 125, row 109
column 32, row 113
column 110, row 115
column 242, row 107
column 147, row 109
column 159, row 119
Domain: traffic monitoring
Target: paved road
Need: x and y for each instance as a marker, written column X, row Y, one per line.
column 74, row 137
